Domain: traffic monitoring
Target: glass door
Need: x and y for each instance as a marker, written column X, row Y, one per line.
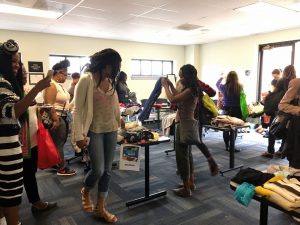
column 273, row 56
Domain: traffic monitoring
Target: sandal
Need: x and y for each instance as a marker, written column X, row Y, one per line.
column 192, row 186
column 86, row 201
column 181, row 192
column 107, row 216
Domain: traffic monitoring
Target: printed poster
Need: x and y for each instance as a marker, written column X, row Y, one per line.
column 130, row 157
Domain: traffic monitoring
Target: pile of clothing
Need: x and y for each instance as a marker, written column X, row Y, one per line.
column 227, row 121
column 280, row 184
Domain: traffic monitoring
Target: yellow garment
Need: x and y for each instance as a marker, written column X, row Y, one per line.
column 209, row 104
column 275, row 197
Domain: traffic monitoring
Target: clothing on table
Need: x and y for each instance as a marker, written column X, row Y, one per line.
column 166, row 122
column 151, row 100
column 11, row 161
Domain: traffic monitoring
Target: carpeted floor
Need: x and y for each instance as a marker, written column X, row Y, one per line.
column 211, row 204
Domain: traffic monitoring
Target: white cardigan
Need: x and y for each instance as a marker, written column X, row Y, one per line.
column 83, row 108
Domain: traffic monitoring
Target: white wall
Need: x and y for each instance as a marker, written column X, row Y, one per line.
column 238, row 54
column 38, row 46
column 211, row 59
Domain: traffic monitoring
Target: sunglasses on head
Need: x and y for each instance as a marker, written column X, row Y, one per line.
column 10, row 47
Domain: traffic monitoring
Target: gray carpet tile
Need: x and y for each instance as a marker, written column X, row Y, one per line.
column 212, row 202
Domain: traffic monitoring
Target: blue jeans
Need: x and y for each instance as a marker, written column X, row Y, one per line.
column 101, row 151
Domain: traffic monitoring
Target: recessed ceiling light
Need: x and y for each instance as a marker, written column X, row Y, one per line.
column 11, row 9
column 188, row 26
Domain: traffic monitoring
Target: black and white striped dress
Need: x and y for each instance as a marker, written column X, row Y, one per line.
column 11, row 161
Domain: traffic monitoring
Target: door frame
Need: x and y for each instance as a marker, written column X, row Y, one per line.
column 262, row 47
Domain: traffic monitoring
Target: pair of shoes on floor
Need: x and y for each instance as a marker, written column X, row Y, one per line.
column 235, row 150
column 181, row 192
column 267, row 155
column 66, row 172
column 192, row 186
column 48, row 206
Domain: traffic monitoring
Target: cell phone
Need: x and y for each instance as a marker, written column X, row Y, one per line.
column 49, row 73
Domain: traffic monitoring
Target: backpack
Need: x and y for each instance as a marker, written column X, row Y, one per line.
column 271, row 102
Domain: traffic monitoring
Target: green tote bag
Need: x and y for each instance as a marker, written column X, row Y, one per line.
column 243, row 105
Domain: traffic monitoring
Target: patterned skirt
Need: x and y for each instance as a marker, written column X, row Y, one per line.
column 11, row 171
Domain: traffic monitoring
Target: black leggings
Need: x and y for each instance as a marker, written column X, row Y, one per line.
column 29, row 171
column 234, row 111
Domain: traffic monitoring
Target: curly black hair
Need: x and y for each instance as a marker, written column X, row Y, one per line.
column 101, row 59
column 61, row 65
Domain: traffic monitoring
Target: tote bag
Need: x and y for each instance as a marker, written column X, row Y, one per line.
column 244, row 105
column 189, row 132
column 48, row 155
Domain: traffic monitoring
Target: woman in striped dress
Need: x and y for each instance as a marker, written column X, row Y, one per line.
column 12, row 107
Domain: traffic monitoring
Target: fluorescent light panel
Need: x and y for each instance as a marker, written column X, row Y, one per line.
column 11, row 9
column 263, row 7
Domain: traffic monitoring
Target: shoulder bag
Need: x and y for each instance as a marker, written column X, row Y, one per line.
column 280, row 124
column 244, row 105
column 188, row 131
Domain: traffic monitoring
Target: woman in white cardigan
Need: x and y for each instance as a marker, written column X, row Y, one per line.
column 97, row 116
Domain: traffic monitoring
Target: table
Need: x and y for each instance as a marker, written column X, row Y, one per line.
column 232, row 130
column 147, row 196
column 264, row 204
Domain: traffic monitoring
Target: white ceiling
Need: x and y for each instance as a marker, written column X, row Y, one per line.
column 152, row 21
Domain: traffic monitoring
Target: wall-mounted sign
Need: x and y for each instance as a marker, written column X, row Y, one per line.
column 34, row 78
column 35, row 67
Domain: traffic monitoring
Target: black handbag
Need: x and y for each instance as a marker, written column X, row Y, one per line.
column 280, row 124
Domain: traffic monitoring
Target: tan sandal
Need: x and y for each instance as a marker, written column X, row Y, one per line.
column 86, row 201
column 107, row 216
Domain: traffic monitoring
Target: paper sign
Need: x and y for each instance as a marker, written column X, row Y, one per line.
column 130, row 157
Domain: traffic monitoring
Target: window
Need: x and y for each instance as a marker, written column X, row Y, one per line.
column 76, row 62
column 150, row 69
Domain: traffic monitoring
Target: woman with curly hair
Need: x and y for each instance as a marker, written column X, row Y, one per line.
column 97, row 116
